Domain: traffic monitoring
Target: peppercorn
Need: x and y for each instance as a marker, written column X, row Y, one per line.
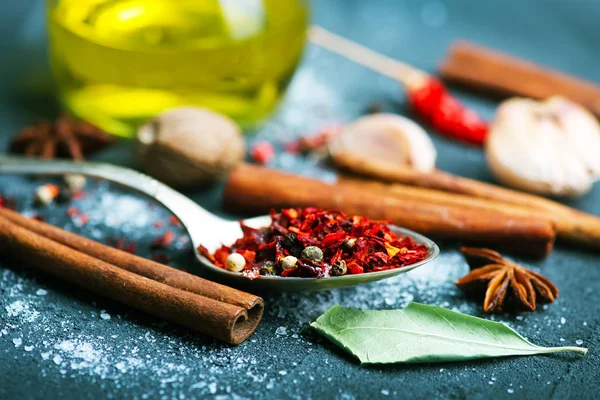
column 349, row 243
column 235, row 262
column 339, row 268
column 313, row 253
column 289, row 241
column 289, row 262
column 268, row 268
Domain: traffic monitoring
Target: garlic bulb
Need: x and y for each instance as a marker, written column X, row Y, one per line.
column 549, row 147
column 385, row 141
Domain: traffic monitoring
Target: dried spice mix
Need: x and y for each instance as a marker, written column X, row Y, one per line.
column 314, row 243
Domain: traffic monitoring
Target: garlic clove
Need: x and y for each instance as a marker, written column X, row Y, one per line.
column 189, row 146
column 385, row 141
column 549, row 147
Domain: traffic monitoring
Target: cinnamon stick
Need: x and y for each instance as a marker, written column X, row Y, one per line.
column 141, row 266
column 257, row 189
column 490, row 70
column 230, row 322
column 572, row 225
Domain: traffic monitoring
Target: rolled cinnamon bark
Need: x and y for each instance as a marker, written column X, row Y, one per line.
column 257, row 189
column 489, row 70
column 227, row 322
column 142, row 266
column 572, row 225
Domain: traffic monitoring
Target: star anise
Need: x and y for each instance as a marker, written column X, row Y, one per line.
column 506, row 285
column 65, row 137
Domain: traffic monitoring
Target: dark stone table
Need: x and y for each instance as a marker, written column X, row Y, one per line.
column 57, row 341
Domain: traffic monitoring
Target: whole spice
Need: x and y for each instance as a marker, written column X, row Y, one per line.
column 421, row 333
column 548, row 147
column 235, row 262
column 189, row 146
column 310, row 243
column 65, row 137
column 446, row 114
column 507, row 286
column 217, row 310
column 384, row 139
column 484, row 69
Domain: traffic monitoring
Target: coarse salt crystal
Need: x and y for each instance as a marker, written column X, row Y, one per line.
column 17, row 342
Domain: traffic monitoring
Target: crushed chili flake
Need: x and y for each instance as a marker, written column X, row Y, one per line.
column 158, row 224
column 314, row 141
column 78, row 195
column 122, row 245
column 355, row 245
column 174, row 220
column 262, row 152
column 163, row 241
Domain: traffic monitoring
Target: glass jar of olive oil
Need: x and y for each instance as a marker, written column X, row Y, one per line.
column 119, row 62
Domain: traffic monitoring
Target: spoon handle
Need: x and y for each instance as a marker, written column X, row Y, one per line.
column 191, row 215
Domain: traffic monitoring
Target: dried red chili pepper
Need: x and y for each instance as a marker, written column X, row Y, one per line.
column 434, row 103
column 312, row 241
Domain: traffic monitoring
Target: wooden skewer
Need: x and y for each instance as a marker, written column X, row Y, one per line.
column 404, row 73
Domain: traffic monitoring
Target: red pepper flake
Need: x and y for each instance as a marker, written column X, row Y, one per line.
column 174, row 220
column 446, row 114
column 313, row 240
column 72, row 211
column 78, row 195
column 122, row 245
column 315, row 141
column 262, row 152
column 163, row 241
column 83, row 219
column 158, row 224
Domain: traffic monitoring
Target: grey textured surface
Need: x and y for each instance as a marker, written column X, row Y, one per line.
column 59, row 341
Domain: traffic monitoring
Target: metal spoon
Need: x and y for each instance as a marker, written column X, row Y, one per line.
column 203, row 227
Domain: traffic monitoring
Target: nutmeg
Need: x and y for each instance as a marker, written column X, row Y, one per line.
column 189, row 146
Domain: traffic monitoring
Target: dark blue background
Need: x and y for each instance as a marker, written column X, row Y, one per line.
column 56, row 340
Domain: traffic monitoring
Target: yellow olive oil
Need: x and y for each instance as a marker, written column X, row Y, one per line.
column 119, row 62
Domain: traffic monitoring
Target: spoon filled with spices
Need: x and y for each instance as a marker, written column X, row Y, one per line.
column 295, row 250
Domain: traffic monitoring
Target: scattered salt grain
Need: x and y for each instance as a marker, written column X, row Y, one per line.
column 212, row 387
column 510, row 390
column 57, row 359
column 563, row 321
column 282, row 331
column 104, row 315
column 17, row 342
column 41, row 292
column 28, row 348
column 579, row 342
column 385, row 392
column 283, row 373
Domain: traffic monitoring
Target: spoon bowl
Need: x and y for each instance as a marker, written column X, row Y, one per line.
column 205, row 228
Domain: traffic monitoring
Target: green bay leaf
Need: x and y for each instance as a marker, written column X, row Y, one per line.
column 423, row 333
